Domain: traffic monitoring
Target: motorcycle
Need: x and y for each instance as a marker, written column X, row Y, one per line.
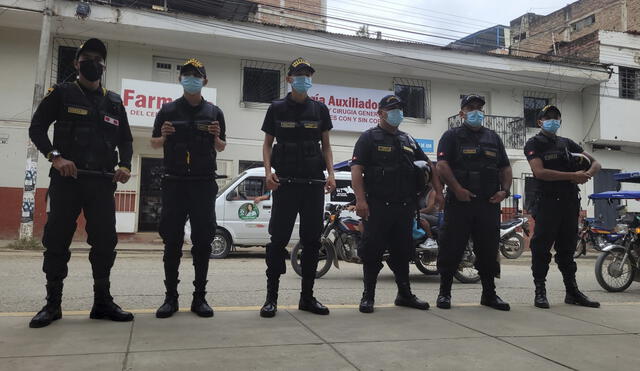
column 341, row 237
column 595, row 236
column 511, row 241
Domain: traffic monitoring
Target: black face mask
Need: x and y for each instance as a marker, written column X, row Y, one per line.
column 91, row 70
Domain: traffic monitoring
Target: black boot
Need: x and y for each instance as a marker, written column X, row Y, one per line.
column 368, row 297
column 444, row 296
column 540, row 299
column 489, row 297
column 103, row 305
column 406, row 299
column 170, row 305
column 307, row 301
column 199, row 304
column 52, row 310
column 270, row 306
column 574, row 296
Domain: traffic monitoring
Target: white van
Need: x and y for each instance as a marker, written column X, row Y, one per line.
column 243, row 222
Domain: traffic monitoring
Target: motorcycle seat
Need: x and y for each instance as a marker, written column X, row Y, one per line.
column 509, row 224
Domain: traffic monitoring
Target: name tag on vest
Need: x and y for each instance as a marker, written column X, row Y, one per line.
column 384, row 148
column 409, row 149
column 77, row 111
column 310, row 125
column 287, row 124
column 111, row 120
column 490, row 153
column 469, row 151
column 552, row 156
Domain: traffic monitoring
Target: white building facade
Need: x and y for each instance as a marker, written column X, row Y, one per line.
column 246, row 66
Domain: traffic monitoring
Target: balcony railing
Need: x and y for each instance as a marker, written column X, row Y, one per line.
column 512, row 130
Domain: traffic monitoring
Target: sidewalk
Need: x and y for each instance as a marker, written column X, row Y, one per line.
column 468, row 337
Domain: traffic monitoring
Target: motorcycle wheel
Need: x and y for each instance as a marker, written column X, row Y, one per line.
column 325, row 258
column 424, row 265
column 513, row 247
column 613, row 274
column 467, row 273
column 581, row 249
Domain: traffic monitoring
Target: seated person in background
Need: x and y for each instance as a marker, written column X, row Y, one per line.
column 264, row 197
column 428, row 217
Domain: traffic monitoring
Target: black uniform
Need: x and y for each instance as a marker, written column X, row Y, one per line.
column 387, row 159
column 475, row 157
column 555, row 207
column 298, row 129
column 89, row 125
column 189, row 188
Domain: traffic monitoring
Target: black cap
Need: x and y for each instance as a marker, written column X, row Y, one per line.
column 193, row 65
column 94, row 45
column 300, row 64
column 543, row 112
column 471, row 98
column 390, row 101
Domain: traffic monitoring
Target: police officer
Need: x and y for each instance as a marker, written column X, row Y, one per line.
column 300, row 126
column 190, row 130
column 473, row 163
column 90, row 123
column 556, row 206
column 386, row 200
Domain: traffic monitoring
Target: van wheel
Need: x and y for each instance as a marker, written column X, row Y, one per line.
column 221, row 245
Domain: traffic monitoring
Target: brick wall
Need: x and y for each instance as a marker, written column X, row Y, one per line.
column 311, row 14
column 633, row 15
column 613, row 15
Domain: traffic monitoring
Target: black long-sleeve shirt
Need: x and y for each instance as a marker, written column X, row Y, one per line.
column 47, row 113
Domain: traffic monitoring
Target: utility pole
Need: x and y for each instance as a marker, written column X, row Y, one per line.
column 31, row 172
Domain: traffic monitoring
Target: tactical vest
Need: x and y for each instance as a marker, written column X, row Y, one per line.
column 297, row 152
column 476, row 161
column 190, row 150
column 87, row 133
column 391, row 175
column 555, row 156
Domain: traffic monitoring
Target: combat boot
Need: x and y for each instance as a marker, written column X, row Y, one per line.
column 270, row 306
column 368, row 297
column 490, row 298
column 574, row 296
column 405, row 298
column 199, row 304
column 444, row 296
column 52, row 311
column 540, row 299
column 170, row 305
column 103, row 305
column 309, row 303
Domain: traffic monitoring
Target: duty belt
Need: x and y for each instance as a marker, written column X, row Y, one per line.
column 301, row 181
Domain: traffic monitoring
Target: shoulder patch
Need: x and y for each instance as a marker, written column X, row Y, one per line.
column 49, row 91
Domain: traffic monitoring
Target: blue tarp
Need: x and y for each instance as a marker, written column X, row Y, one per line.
column 619, row 195
column 633, row 177
column 342, row 166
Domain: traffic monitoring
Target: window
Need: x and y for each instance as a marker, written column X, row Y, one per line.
column 249, row 189
column 166, row 70
column 533, row 106
column 583, row 23
column 415, row 95
column 520, row 37
column 629, row 83
column 245, row 165
column 66, row 70
column 262, row 82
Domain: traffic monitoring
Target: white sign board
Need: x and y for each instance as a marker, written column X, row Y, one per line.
column 143, row 99
column 351, row 109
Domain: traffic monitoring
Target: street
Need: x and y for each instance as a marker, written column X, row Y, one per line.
column 239, row 281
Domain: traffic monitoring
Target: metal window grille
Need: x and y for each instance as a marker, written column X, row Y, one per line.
column 262, row 82
column 63, row 54
column 629, row 83
column 510, row 129
column 583, row 23
column 416, row 94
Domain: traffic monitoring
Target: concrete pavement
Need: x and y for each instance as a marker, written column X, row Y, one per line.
column 467, row 337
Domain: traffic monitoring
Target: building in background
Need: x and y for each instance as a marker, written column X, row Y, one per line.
column 246, row 62
column 495, row 39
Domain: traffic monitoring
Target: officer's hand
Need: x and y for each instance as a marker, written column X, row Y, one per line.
column 214, row 128
column 167, row 129
column 122, row 175
column 272, row 182
column 65, row 167
column 330, row 186
column 463, row 194
column 362, row 209
column 498, row 197
column 581, row 177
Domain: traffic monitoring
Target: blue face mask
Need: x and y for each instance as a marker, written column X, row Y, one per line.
column 475, row 118
column 301, row 84
column 192, row 84
column 394, row 117
column 551, row 126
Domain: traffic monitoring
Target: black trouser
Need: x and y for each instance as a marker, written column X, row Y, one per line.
column 289, row 200
column 478, row 219
column 388, row 228
column 194, row 199
column 556, row 218
column 67, row 197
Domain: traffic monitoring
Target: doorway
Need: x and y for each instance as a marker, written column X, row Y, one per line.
column 605, row 211
column 150, row 194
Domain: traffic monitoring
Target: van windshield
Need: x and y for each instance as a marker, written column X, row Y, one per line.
column 230, row 183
